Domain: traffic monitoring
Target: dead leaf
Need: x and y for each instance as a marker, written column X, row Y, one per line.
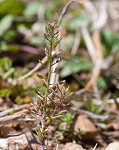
column 86, row 127
column 113, row 125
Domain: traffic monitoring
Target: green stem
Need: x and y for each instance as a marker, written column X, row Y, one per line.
column 48, row 79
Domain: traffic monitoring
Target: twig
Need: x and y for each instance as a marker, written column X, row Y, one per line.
column 91, row 11
column 97, row 42
column 38, row 66
column 95, row 146
column 95, row 74
column 8, row 73
column 97, row 67
column 102, row 17
column 76, row 42
column 91, row 115
column 30, row 49
column 98, row 23
column 14, row 109
column 89, row 44
column 65, row 9
column 102, row 65
column 57, row 145
column 7, row 119
column 54, row 78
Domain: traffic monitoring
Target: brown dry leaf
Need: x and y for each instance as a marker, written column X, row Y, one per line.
column 113, row 125
column 112, row 107
column 72, row 146
column 113, row 146
column 86, row 127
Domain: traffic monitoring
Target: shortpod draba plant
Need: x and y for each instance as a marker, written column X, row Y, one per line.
column 49, row 104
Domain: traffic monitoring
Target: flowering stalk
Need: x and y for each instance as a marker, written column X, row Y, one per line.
column 49, row 105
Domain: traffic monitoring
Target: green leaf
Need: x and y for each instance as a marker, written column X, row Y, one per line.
column 49, row 58
column 55, row 43
column 74, row 23
column 101, row 83
column 13, row 7
column 76, row 65
column 10, row 36
column 63, row 126
column 68, row 118
column 35, row 40
column 32, row 9
column 5, row 64
column 102, row 106
column 5, row 93
column 59, row 135
column 108, row 38
column 40, row 76
column 90, row 105
column 5, row 24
